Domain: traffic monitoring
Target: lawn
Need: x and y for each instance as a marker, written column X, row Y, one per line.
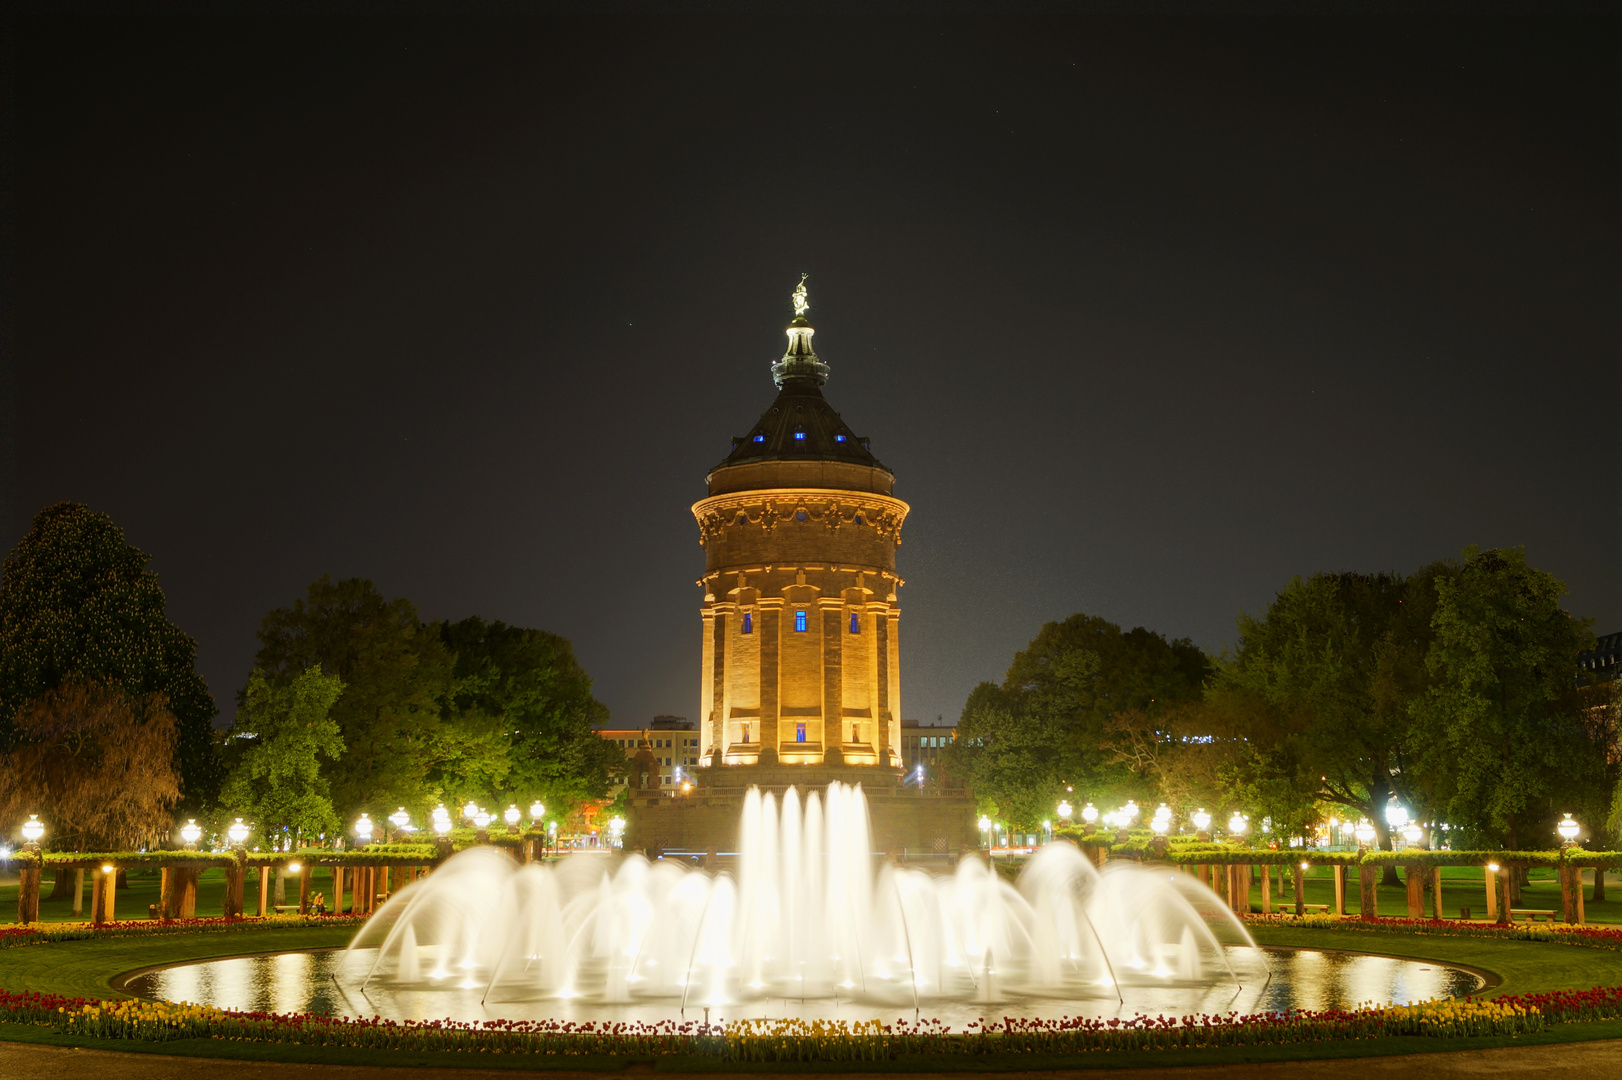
column 136, row 901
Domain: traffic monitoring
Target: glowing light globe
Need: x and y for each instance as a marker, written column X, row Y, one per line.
column 471, row 810
column 191, row 832
column 1161, row 825
column 512, row 815
column 33, row 829
column 1568, row 829
column 482, row 819
column 442, row 826
column 1412, row 833
column 1089, row 813
column 537, row 810
column 238, row 832
column 1364, row 831
column 985, row 824
column 363, row 828
column 1396, row 815
column 1065, row 810
column 400, row 819
column 1202, row 820
column 1237, row 824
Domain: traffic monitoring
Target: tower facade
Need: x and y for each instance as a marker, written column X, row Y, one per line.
column 801, row 646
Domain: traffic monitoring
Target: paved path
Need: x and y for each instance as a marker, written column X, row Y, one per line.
column 1580, row 1061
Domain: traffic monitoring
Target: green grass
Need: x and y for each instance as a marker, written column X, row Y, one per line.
column 84, row 968
column 136, row 901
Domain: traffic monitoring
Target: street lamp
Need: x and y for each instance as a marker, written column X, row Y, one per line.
column 1568, row 830
column 1089, row 817
column 537, row 810
column 512, row 815
column 985, row 827
column 471, row 810
column 238, row 832
column 481, row 820
column 191, row 832
column 400, row 819
column 363, row 829
column 33, row 830
column 1412, row 833
column 1364, row 833
column 1202, row 824
column 443, row 825
column 1237, row 826
column 1065, row 810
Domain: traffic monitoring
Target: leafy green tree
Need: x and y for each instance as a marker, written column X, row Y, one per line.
column 522, row 712
column 1056, row 719
column 286, row 733
column 1505, row 713
column 77, row 603
column 396, row 673
column 1328, row 673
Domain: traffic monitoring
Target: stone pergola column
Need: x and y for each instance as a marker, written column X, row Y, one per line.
column 1267, row 890
column 1300, row 889
column 1489, row 878
column 1414, row 879
column 235, row 876
column 1340, row 888
column 28, row 894
column 264, row 889
column 1436, row 892
column 1506, row 890
column 1368, row 901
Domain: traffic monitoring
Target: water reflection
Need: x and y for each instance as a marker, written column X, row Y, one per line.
column 328, row 982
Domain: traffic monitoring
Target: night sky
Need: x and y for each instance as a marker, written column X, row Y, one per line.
column 1147, row 315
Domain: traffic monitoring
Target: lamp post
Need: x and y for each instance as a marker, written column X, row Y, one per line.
column 481, row 823
column 471, row 810
column 537, row 810
column 363, row 829
column 985, row 827
column 1569, row 830
column 512, row 815
column 238, row 832
column 190, row 833
column 1065, row 810
column 1237, row 826
column 33, row 832
column 1089, row 818
column 1202, row 825
column 1364, row 833
column 1161, row 824
column 616, row 830
column 400, row 820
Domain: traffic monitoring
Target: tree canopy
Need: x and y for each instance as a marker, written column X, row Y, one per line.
column 1055, row 719
column 286, row 732
column 77, row 603
column 97, row 765
column 395, row 672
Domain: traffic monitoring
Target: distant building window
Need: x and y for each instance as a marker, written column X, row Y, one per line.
column 748, row 623
column 799, row 621
column 799, row 436
column 799, row 732
column 839, row 438
column 855, row 623
column 745, row 729
column 760, row 438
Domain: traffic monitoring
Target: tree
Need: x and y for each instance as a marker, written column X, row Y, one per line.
column 96, row 765
column 1050, row 723
column 77, row 603
column 520, row 718
column 1328, row 673
column 1505, row 713
column 395, row 672
column 287, row 731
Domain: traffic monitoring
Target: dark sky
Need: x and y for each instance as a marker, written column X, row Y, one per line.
column 1147, row 315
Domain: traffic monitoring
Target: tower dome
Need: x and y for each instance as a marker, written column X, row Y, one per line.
column 800, row 529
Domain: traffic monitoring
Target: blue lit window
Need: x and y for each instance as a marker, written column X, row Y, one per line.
column 799, row 621
column 799, row 435
column 760, row 438
column 855, row 623
column 839, row 438
column 748, row 623
column 799, row 732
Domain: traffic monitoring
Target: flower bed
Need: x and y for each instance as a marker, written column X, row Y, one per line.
column 1593, row 937
column 801, row 1040
column 41, row 933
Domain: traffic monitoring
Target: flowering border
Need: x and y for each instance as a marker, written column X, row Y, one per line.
column 1584, row 934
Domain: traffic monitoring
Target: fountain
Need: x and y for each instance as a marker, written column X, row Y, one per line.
column 809, row 916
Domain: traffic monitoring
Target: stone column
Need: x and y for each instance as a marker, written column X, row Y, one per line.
column 1340, row 888
column 1368, row 906
column 1414, row 878
column 1506, row 886
column 337, row 905
column 28, row 894
column 180, row 899
column 234, row 878
column 1490, row 880
column 833, row 686
column 1300, row 889
column 264, row 889
column 1436, row 892
column 78, row 892
column 771, row 618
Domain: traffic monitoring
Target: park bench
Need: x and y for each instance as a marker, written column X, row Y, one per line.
column 1532, row 913
column 1316, row 907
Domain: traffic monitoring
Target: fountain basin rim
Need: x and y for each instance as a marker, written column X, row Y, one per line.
column 1490, row 980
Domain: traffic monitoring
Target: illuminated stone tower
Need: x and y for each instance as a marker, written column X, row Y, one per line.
column 800, row 530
